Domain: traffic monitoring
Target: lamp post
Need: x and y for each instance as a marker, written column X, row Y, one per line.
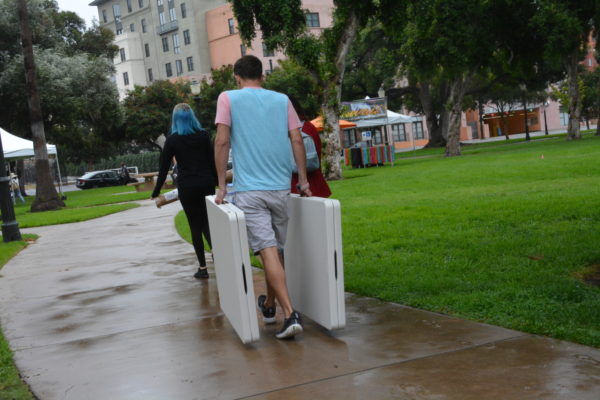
column 390, row 137
column 10, row 227
column 195, row 88
column 546, row 104
column 524, row 89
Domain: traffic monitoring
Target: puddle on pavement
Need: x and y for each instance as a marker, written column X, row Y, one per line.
column 116, row 289
column 66, row 328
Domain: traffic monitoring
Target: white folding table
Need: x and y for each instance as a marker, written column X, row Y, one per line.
column 314, row 264
column 232, row 266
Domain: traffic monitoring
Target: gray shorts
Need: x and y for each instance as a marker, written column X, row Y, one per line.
column 266, row 217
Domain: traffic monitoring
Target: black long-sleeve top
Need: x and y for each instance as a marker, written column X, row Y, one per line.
column 195, row 161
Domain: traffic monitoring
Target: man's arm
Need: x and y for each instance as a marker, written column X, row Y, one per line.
column 300, row 158
column 222, row 145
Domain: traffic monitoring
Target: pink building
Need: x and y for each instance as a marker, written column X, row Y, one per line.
column 225, row 45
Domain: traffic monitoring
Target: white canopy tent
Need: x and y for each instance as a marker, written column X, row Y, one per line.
column 391, row 119
column 16, row 147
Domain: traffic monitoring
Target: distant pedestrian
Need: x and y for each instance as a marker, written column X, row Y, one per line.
column 16, row 189
column 125, row 174
column 196, row 175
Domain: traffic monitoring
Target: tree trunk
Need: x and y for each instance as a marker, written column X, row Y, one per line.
column 46, row 197
column 435, row 119
column 332, row 170
column 573, row 131
column 455, row 101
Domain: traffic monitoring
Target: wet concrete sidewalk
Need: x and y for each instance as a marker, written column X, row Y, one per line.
column 108, row 309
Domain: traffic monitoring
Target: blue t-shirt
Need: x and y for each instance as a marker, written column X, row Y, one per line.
column 260, row 144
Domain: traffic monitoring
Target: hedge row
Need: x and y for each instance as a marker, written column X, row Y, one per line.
column 146, row 162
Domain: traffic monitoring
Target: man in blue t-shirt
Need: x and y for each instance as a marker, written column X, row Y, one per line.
column 260, row 126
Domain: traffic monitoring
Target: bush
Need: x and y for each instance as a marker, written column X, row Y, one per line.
column 146, row 162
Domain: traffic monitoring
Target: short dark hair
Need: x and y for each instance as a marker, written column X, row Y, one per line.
column 248, row 67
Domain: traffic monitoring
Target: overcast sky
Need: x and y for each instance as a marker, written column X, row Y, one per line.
column 81, row 8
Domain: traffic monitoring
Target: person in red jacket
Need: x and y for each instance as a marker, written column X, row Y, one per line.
column 317, row 183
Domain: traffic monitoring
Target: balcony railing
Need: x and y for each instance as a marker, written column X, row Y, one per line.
column 166, row 28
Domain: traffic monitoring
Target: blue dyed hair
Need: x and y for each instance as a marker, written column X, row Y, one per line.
column 184, row 121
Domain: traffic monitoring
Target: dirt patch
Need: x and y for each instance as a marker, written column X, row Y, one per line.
column 591, row 275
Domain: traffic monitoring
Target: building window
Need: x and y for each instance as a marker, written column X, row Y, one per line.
column 119, row 30
column 266, row 51
column 186, row 37
column 125, row 78
column 172, row 13
column 150, row 77
column 243, row 49
column 190, row 63
column 418, row 130
column 169, row 70
column 122, row 53
column 129, row 8
column 104, row 17
column 179, row 67
column 147, row 49
column 141, row 3
column 349, row 137
column 131, row 27
column 377, row 136
column 564, row 118
column 143, row 25
column 176, row 47
column 183, row 11
column 399, row 133
column 231, row 26
column 165, row 43
column 117, row 12
column 161, row 18
column 312, row 20
column 159, row 2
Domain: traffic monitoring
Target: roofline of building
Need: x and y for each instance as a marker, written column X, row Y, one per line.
column 97, row 2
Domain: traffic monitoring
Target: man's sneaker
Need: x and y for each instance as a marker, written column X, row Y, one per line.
column 201, row 274
column 267, row 312
column 291, row 327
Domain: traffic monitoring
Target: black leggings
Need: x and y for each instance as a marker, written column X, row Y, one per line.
column 194, row 205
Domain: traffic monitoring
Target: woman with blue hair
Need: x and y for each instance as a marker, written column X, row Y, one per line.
column 197, row 177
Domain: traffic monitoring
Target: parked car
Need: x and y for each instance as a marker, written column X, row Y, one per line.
column 99, row 179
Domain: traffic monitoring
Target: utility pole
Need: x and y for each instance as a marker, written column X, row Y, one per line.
column 46, row 197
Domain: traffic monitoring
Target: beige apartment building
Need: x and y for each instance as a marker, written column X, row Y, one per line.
column 175, row 39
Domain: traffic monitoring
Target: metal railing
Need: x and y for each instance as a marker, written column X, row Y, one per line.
column 166, row 28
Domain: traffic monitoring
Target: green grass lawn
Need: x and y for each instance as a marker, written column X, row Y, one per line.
column 81, row 205
column 498, row 235
column 11, row 385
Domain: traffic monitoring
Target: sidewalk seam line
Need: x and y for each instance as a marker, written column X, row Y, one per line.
column 387, row 365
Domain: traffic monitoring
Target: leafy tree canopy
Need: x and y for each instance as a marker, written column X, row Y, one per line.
column 148, row 110
column 221, row 79
column 294, row 80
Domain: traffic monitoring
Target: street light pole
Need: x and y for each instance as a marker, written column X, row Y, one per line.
column 195, row 88
column 524, row 89
column 546, row 104
column 10, row 227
